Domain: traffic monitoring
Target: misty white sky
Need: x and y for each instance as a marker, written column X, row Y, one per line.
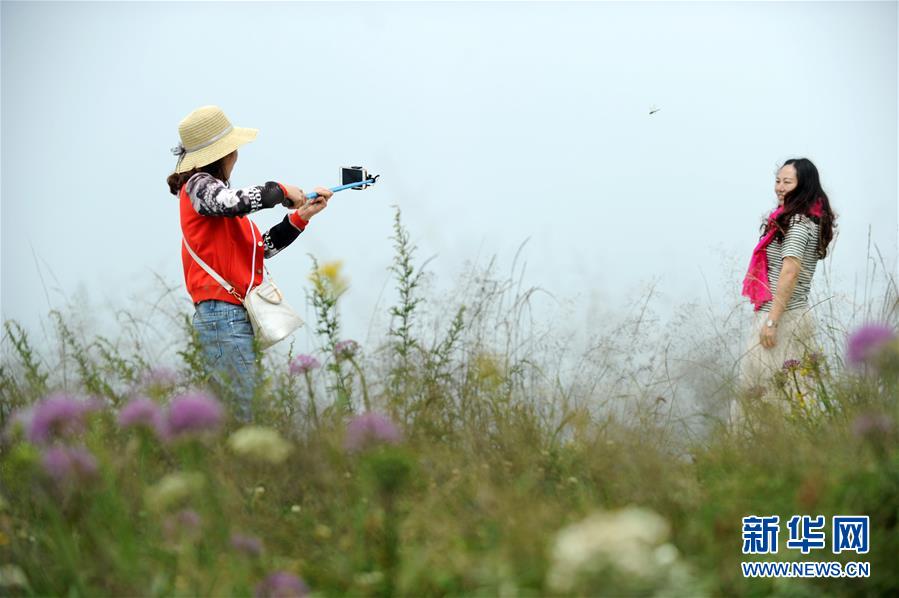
column 490, row 123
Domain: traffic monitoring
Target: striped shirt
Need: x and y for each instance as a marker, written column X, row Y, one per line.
column 801, row 242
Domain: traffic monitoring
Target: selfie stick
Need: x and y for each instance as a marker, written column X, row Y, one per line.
column 370, row 181
column 313, row 195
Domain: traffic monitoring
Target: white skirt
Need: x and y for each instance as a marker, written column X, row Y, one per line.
column 795, row 339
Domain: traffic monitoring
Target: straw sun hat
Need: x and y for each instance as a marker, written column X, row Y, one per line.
column 207, row 135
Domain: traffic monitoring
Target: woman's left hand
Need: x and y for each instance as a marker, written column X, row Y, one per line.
column 314, row 206
column 768, row 337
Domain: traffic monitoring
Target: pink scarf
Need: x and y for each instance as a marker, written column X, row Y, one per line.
column 755, row 285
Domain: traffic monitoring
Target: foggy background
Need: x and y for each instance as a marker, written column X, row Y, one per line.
column 493, row 125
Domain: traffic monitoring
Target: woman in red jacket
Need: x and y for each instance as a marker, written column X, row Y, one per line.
column 214, row 227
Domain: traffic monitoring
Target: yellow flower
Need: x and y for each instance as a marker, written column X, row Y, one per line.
column 327, row 279
column 331, row 270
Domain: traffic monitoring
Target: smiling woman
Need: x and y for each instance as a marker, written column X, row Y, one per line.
column 794, row 237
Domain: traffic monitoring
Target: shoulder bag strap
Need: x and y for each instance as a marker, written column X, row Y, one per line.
column 253, row 262
column 210, row 271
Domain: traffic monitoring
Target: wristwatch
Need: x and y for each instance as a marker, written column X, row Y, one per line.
column 770, row 324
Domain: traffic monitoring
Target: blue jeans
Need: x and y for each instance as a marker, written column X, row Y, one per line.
column 226, row 336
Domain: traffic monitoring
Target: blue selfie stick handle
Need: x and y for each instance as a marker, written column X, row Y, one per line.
column 313, row 195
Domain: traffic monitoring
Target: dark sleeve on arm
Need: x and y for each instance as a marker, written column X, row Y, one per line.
column 280, row 236
column 211, row 197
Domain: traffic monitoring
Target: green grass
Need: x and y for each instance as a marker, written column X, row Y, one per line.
column 525, row 470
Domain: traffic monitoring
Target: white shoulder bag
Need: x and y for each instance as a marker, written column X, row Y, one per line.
column 272, row 318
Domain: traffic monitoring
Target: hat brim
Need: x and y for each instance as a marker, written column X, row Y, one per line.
column 221, row 148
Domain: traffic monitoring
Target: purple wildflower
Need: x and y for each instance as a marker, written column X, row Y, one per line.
column 872, row 426
column 302, row 364
column 143, row 412
column 69, row 465
column 345, row 349
column 189, row 518
column 282, row 584
column 864, row 344
column 193, row 412
column 183, row 524
column 248, row 545
column 370, row 429
column 58, row 415
column 791, row 365
column 160, row 378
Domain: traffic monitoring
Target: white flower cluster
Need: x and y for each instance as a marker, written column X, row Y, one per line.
column 260, row 444
column 632, row 542
column 174, row 489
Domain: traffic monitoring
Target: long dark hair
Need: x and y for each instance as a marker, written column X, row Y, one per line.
column 800, row 200
column 177, row 180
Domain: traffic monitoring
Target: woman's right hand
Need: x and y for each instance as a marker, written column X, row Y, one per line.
column 316, row 205
column 296, row 196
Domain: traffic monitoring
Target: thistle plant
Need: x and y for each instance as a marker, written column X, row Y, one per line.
column 146, row 418
column 302, row 365
column 250, row 546
column 328, row 285
column 194, row 414
column 281, row 583
column 376, row 441
column 866, row 344
column 143, row 413
column 59, row 417
column 69, row 466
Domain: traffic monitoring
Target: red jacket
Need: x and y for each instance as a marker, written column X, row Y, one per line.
column 215, row 224
column 230, row 245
